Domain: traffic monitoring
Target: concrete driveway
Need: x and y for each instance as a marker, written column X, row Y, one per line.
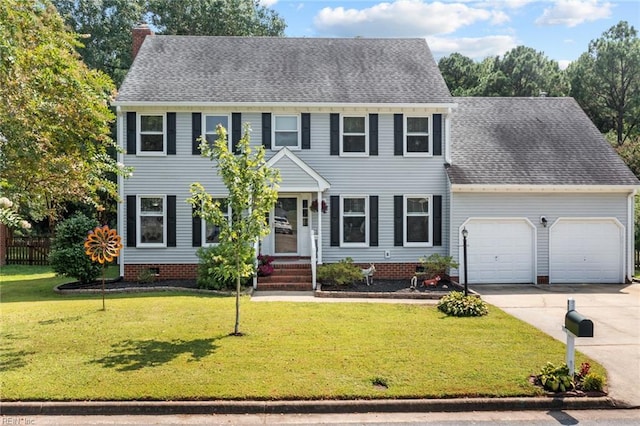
column 614, row 310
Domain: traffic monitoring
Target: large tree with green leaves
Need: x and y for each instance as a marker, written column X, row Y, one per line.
column 253, row 191
column 461, row 74
column 105, row 26
column 215, row 17
column 54, row 115
column 605, row 81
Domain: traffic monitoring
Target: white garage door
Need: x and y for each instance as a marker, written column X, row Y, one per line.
column 500, row 251
column 586, row 251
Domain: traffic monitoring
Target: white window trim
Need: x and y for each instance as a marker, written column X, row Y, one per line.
column 139, row 222
column 275, row 147
column 204, row 126
column 366, row 221
column 366, row 136
column 139, row 133
column 204, row 223
column 429, row 135
column 405, row 215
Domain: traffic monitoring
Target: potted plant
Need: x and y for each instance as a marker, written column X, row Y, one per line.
column 314, row 206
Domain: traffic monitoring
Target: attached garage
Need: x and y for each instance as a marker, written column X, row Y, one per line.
column 500, row 250
column 586, row 250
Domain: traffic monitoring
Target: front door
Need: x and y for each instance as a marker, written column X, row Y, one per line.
column 285, row 226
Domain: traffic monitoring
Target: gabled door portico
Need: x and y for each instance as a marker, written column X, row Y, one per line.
column 292, row 220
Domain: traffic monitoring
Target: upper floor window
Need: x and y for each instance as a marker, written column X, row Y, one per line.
column 286, row 131
column 211, row 231
column 417, row 220
column 211, row 123
column 417, row 136
column 151, row 138
column 354, row 135
column 152, row 220
column 354, row 217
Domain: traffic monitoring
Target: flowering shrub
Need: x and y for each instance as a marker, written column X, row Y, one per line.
column 458, row 305
column 265, row 268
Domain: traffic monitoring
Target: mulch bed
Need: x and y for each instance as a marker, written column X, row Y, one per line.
column 391, row 286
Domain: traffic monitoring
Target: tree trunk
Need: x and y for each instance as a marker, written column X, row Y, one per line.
column 236, row 329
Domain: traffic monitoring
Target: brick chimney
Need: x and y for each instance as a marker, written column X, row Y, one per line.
column 139, row 33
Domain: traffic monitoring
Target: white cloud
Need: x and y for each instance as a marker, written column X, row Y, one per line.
column 268, row 3
column 564, row 63
column 402, row 18
column 574, row 12
column 476, row 48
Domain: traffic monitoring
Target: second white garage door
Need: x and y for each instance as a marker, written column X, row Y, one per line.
column 500, row 251
column 584, row 250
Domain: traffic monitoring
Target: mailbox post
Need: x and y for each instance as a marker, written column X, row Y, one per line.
column 575, row 325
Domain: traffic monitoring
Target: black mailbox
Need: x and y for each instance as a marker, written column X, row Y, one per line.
column 578, row 325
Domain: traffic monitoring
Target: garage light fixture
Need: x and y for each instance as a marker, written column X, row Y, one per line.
column 543, row 221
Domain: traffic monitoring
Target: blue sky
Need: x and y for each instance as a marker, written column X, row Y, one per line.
column 561, row 29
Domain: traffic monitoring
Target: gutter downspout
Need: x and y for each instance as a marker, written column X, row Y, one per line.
column 120, row 156
column 319, row 236
column 631, row 235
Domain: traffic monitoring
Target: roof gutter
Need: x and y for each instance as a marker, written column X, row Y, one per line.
column 261, row 105
column 543, row 188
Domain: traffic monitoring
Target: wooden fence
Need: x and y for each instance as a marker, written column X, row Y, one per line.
column 27, row 250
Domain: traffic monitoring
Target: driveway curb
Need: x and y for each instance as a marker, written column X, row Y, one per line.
column 86, row 408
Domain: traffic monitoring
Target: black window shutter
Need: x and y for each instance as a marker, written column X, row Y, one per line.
column 334, row 207
column 236, row 130
column 196, row 132
column 131, row 220
column 398, row 134
column 196, row 228
column 171, row 133
column 437, row 134
column 398, row 222
column 171, row 220
column 334, row 133
column 373, row 221
column 131, row 133
column 266, row 130
column 373, row 134
column 437, row 220
column 306, row 131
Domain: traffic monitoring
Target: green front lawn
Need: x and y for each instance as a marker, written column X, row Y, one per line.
column 170, row 346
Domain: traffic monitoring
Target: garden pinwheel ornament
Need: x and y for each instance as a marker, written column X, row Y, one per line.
column 102, row 246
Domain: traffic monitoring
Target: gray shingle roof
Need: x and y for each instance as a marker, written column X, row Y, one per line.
column 530, row 141
column 282, row 70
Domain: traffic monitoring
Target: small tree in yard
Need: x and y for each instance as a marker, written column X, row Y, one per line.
column 252, row 194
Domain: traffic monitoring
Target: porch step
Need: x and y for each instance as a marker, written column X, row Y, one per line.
column 288, row 276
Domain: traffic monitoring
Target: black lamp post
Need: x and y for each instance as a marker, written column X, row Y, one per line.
column 465, row 233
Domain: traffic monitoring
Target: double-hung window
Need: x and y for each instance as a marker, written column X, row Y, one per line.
column 152, row 220
column 417, row 136
column 211, row 123
column 211, row 231
column 151, row 138
column 354, row 135
column 286, row 131
column 417, row 220
column 354, row 220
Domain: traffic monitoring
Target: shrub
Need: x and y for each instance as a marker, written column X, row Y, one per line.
column 458, row 305
column 437, row 264
column 342, row 273
column 556, row 378
column 146, row 276
column 592, row 382
column 265, row 268
column 211, row 274
column 67, row 255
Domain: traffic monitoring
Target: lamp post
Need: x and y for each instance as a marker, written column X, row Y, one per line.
column 465, row 233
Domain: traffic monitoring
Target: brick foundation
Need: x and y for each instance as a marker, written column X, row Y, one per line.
column 189, row 271
column 163, row 271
